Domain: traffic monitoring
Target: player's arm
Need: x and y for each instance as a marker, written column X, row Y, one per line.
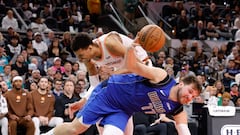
column 181, row 123
column 155, row 74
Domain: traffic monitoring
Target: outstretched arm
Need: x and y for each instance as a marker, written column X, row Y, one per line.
column 155, row 74
column 181, row 123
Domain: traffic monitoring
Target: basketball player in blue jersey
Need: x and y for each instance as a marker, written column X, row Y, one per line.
column 149, row 89
column 107, row 53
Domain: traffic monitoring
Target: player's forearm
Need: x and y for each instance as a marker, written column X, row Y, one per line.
column 183, row 129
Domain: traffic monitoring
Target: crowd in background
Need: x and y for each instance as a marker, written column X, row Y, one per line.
column 41, row 52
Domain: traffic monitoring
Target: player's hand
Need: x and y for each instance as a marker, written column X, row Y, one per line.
column 13, row 117
column 28, row 117
column 74, row 107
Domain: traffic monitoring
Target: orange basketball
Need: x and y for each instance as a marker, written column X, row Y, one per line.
column 151, row 38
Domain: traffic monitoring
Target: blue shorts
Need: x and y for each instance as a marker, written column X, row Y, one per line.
column 98, row 108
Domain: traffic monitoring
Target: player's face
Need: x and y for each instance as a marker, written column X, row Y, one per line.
column 186, row 94
column 17, row 84
column 84, row 54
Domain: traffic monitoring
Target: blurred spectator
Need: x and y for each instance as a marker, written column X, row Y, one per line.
column 43, row 104
column 7, row 74
column 46, row 12
column 58, row 75
column 26, row 11
column 30, row 50
column 20, row 107
column 229, row 74
column 9, row 21
column 2, row 40
column 200, row 61
column 54, row 49
column 14, row 48
column 170, row 62
column 130, row 9
column 37, row 25
column 63, row 101
column 33, row 78
column 210, row 32
column 68, row 70
column 143, row 4
column 20, row 65
column 226, row 99
column 3, row 59
column 182, row 25
column 39, row 44
column 58, row 87
column 57, row 65
column 64, row 55
column 224, row 31
column 66, row 42
column 183, row 49
column 199, row 17
column 3, row 113
column 69, row 24
column 44, row 64
column 216, row 62
column 161, row 59
column 198, row 32
column 76, row 13
column 28, row 37
column 50, row 37
column 64, row 13
column 237, row 102
column 33, row 87
column 210, row 10
column 75, row 67
column 220, row 86
column 212, row 92
column 50, row 73
column 234, row 90
column 233, row 55
column 185, row 71
column 86, row 25
column 4, row 86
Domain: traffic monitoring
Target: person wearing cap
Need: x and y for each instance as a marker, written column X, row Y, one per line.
column 234, row 90
column 9, row 21
column 33, row 78
column 57, row 65
column 20, row 107
column 185, row 71
column 39, row 44
column 43, row 104
column 38, row 25
column 229, row 74
column 3, row 113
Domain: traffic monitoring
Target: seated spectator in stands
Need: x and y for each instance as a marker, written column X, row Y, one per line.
column 68, row 70
column 210, row 32
column 130, row 7
column 223, row 31
column 234, row 90
column 46, row 12
column 9, row 21
column 54, row 49
column 4, row 86
column 200, row 61
column 49, row 38
column 39, row 44
column 76, row 13
column 33, row 87
column 44, row 64
column 63, row 101
column 211, row 95
column 226, row 99
column 237, row 102
column 6, row 74
column 3, row 41
column 3, row 113
column 30, row 50
column 51, row 72
column 69, row 25
column 43, row 104
column 229, row 74
column 33, row 78
column 210, row 10
column 170, row 62
column 66, row 42
column 185, row 71
column 58, row 87
column 20, row 107
column 10, row 32
column 28, row 37
column 38, row 25
column 64, row 13
column 198, row 32
column 161, row 59
column 3, row 59
column 75, row 67
column 57, row 65
column 86, row 25
column 183, row 49
column 182, row 25
column 27, row 12
column 14, row 48
column 20, row 66
column 220, row 87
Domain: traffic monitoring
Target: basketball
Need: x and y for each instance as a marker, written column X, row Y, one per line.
column 151, row 38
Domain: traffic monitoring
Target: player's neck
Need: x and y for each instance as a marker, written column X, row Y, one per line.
column 173, row 93
column 98, row 53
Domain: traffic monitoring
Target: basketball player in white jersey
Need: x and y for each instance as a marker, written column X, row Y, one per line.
column 107, row 53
